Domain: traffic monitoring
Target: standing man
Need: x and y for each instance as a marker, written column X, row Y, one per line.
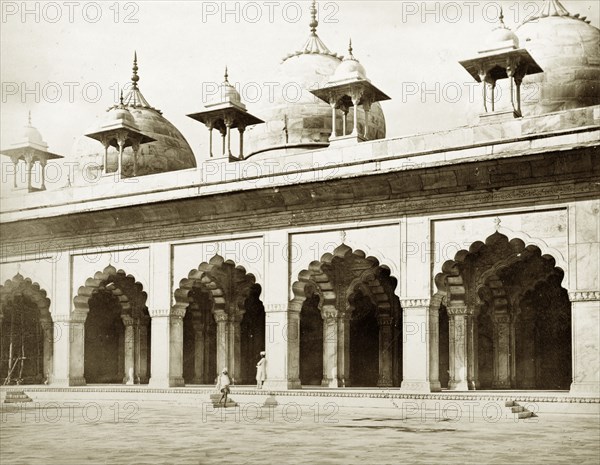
column 261, row 370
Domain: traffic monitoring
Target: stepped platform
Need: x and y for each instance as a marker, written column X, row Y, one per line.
column 513, row 401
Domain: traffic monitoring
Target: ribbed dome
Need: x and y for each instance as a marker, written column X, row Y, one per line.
column 568, row 50
column 226, row 94
column 169, row 152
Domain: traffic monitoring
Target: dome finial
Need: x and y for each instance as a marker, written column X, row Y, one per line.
column 313, row 18
column 29, row 118
column 226, row 74
column 350, row 48
column 502, row 17
column 135, row 78
column 121, row 96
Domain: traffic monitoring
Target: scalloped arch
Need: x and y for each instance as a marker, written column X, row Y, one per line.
column 359, row 269
column 21, row 285
column 126, row 289
column 227, row 284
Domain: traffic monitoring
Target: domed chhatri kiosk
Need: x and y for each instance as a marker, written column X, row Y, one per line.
column 457, row 260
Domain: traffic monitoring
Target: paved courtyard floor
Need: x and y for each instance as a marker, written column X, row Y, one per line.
column 165, row 432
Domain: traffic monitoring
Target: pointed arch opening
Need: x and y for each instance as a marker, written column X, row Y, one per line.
column 359, row 321
column 26, row 333
column 509, row 323
column 117, row 328
column 224, row 322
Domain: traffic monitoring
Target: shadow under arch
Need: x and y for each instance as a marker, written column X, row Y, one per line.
column 26, row 332
column 343, row 288
column 482, row 292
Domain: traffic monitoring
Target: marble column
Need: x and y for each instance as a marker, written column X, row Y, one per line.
column 415, row 345
column 222, row 340
column 501, row 343
column 434, row 348
column 129, row 352
column 472, row 358
column 343, row 349
column 458, row 347
column 48, row 335
column 199, row 344
column 69, row 349
column 142, row 371
column 176, row 346
column 330, row 348
column 234, row 352
column 385, row 353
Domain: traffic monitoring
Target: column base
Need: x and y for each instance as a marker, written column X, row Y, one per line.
column 435, row 386
column 281, row 384
column 415, row 386
column 331, row 383
column 585, row 389
column 458, row 386
column 166, row 382
column 76, row 381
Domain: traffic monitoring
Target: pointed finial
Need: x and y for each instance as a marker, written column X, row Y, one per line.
column 135, row 78
column 121, row 97
column 313, row 18
column 29, row 118
column 226, row 74
column 342, row 236
column 502, row 16
column 350, row 48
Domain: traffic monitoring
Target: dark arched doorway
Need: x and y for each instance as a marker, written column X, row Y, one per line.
column 364, row 341
column 104, row 360
column 311, row 342
column 252, row 335
column 199, row 339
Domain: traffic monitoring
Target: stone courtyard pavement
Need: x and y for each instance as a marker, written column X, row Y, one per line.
column 156, row 432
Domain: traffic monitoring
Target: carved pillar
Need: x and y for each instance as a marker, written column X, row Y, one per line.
column 333, row 104
column 585, row 314
column 16, row 163
column 241, row 130
column 385, row 353
column 48, row 334
column 128, row 341
column 43, row 175
column 501, row 351
column 458, row 347
column 330, row 347
column 234, row 345
column 223, row 138
column 228, row 125
column 176, row 346
column 434, row 349
column 199, row 347
column 222, row 340
column 29, row 164
column 121, row 139
column 142, row 360
column 209, row 125
column 355, row 101
column 343, row 348
column 472, row 344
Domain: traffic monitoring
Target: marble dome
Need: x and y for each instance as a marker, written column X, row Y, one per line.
column 295, row 119
column 568, row 50
column 169, row 152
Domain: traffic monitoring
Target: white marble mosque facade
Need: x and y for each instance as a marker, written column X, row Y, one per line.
column 398, row 219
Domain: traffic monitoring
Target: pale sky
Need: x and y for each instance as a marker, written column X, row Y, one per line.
column 64, row 61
